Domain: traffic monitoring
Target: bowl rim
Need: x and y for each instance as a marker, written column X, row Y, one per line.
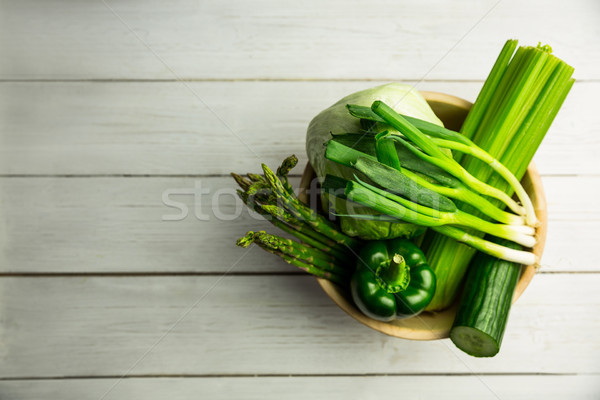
column 436, row 325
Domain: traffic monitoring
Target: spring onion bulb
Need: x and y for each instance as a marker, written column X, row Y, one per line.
column 485, row 246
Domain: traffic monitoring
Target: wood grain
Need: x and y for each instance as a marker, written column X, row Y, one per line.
column 95, row 326
column 88, row 98
column 385, row 39
column 325, row 387
column 102, row 225
column 163, row 128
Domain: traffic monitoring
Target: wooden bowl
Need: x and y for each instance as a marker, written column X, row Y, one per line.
column 436, row 325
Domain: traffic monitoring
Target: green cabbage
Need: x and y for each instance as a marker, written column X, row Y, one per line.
column 337, row 120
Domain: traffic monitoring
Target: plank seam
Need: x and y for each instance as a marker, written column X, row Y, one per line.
column 349, row 375
column 224, row 80
column 190, row 273
column 209, row 175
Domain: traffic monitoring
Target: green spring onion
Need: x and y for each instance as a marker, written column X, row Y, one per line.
column 432, row 154
column 364, row 195
column 451, row 187
column 431, row 217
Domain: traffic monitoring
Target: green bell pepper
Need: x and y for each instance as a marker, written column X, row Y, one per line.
column 392, row 280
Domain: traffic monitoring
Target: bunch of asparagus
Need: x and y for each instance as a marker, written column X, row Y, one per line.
column 321, row 249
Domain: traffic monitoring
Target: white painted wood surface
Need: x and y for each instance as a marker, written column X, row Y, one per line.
column 95, row 127
column 115, row 224
column 282, row 325
column 326, row 387
column 268, row 39
column 163, row 128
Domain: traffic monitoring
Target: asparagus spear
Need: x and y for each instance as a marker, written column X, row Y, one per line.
column 244, row 183
column 284, row 170
column 304, row 213
column 286, row 222
column 301, row 251
column 289, row 256
column 320, row 251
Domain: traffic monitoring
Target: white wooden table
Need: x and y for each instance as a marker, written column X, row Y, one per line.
column 108, row 106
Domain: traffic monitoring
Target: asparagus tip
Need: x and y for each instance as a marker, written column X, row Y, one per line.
column 247, row 239
column 241, row 181
column 287, row 165
column 254, row 177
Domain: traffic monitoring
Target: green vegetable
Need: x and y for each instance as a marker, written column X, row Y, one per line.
column 340, row 151
column 347, row 156
column 343, row 154
column 429, row 211
column 396, row 182
column 321, row 250
column 392, row 280
column 391, row 179
column 484, row 306
column 394, row 206
column 337, row 120
column 520, row 234
column 308, row 259
column 343, row 150
column 486, row 94
column 291, row 204
column 509, row 119
column 462, row 193
column 449, row 139
column 386, row 153
column 397, row 195
column 428, row 128
column 500, row 169
column 430, row 152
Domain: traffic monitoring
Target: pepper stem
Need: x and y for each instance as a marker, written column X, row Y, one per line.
column 393, row 275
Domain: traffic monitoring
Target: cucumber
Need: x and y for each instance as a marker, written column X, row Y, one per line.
column 484, row 306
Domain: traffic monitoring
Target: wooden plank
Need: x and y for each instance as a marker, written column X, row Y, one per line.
column 116, row 225
column 572, row 223
column 162, row 128
column 342, row 388
column 98, row 326
column 268, row 39
column 122, row 225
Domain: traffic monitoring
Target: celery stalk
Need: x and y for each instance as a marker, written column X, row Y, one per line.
column 487, row 91
column 512, row 124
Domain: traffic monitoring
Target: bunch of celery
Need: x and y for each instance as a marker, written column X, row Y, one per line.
column 399, row 189
column 514, row 110
column 321, row 249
